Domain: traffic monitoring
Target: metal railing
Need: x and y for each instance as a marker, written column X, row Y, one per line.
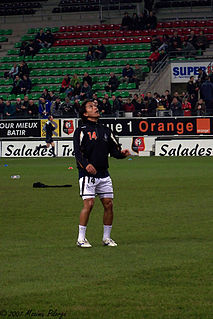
column 190, row 4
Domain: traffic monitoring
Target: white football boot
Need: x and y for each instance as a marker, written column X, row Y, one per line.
column 84, row 243
column 109, row 242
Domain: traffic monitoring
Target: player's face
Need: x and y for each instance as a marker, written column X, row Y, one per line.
column 92, row 112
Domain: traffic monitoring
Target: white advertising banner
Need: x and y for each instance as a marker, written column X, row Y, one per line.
column 181, row 71
column 185, row 147
column 25, row 149
column 68, row 127
column 65, row 148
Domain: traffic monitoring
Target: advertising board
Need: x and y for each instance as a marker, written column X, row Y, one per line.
column 184, row 147
column 181, row 71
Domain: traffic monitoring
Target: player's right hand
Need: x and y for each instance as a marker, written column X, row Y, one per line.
column 91, row 169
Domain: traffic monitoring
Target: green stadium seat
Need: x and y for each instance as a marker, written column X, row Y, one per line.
column 8, row 32
column 131, row 86
column 3, row 39
column 17, row 45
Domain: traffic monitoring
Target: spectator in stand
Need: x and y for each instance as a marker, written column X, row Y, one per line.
column 142, row 22
column 106, row 108
column 77, row 106
column 87, row 78
column 23, row 69
column 165, row 43
column 201, row 77
column 193, row 100
column 40, row 38
column 151, row 22
column 168, row 97
column 164, row 102
column 200, row 108
column 206, row 93
column 127, row 74
column 162, row 57
column 90, row 53
column 25, row 104
column 48, row 39
column 86, row 91
column 32, row 109
column 113, row 83
column 183, row 95
column 126, row 23
column 129, row 106
column 153, row 60
column 77, row 91
column 135, row 22
column 2, row 107
column 16, row 86
column 25, row 85
column 46, row 95
column 89, row 56
column 186, row 106
column 192, row 87
column 148, row 5
column 68, row 109
column 69, row 91
column 177, row 95
column 192, row 38
column 74, row 80
column 201, row 42
column 100, row 51
column 150, row 104
column 13, row 72
column 176, row 107
column 177, row 39
column 52, row 96
column 156, row 43
column 32, row 48
column 175, row 49
column 138, row 75
column 138, row 104
column 20, row 112
column 188, row 49
column 22, row 50
column 44, row 108
column 9, row 110
column 65, row 83
column 116, row 106
column 56, row 108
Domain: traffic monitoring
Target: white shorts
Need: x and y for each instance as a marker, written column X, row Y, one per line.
column 91, row 186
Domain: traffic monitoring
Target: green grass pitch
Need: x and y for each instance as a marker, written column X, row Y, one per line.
column 161, row 269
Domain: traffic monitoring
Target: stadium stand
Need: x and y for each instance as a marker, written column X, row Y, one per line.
column 181, row 3
column 23, row 7
column 94, row 5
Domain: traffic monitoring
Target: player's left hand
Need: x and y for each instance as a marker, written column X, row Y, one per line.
column 125, row 152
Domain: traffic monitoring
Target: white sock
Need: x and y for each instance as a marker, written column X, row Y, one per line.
column 107, row 231
column 81, row 232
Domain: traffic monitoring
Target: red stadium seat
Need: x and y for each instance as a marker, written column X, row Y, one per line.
column 94, row 27
column 63, row 29
column 70, row 28
column 86, row 28
column 193, row 23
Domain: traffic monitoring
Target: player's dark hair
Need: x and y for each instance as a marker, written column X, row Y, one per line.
column 82, row 110
column 49, row 117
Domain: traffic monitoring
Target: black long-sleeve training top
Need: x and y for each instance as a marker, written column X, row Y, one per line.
column 93, row 142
